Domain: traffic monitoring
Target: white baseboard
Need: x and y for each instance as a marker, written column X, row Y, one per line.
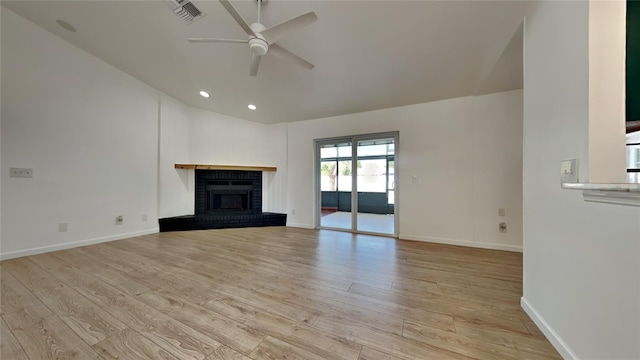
column 302, row 226
column 553, row 337
column 73, row 244
column 461, row 243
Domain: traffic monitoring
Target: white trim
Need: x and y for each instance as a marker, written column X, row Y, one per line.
column 612, row 197
column 457, row 242
column 74, row 244
column 301, row 226
column 553, row 337
column 621, row 187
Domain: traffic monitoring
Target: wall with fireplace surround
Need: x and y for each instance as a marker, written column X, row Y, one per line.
column 194, row 136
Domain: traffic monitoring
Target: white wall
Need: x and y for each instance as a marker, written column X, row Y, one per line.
column 103, row 144
column 225, row 140
column 581, row 260
column 88, row 131
column 175, row 195
column 466, row 153
column 195, row 136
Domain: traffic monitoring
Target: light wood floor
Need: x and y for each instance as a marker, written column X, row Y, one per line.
column 267, row 293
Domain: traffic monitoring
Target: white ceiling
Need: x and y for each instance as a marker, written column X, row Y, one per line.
column 368, row 54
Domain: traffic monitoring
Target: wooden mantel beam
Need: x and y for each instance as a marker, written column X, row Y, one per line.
column 225, row 167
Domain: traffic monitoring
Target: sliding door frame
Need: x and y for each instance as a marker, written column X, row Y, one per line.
column 354, row 139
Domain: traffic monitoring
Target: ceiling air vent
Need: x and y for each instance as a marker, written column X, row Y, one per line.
column 186, row 10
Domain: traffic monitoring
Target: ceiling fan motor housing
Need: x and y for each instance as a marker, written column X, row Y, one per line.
column 258, row 44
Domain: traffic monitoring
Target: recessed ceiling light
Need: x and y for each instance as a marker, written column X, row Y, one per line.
column 251, row 107
column 65, row 25
column 204, row 94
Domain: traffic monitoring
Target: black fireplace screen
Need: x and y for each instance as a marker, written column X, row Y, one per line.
column 227, row 195
column 219, row 191
column 228, row 200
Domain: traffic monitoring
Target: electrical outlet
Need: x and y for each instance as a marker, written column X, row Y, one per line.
column 20, row 172
column 63, row 227
column 293, row 212
column 502, row 212
column 414, row 179
column 503, row 227
column 144, row 217
column 119, row 220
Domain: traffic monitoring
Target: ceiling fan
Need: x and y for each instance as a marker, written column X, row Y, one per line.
column 262, row 39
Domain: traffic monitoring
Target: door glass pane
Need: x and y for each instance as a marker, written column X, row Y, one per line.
column 344, row 175
column 335, row 185
column 391, row 183
column 375, row 186
column 328, row 175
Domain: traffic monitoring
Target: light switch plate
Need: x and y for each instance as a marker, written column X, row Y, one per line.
column 20, row 172
column 569, row 171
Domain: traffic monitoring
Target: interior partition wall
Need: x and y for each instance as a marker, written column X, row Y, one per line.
column 356, row 183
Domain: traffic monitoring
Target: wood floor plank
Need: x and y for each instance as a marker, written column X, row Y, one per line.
column 121, row 260
column 44, row 336
column 466, row 345
column 129, row 283
column 533, row 329
column 58, row 260
column 14, row 297
column 228, row 332
column 128, row 344
column 396, row 345
column 368, row 353
column 193, row 286
column 324, row 344
column 226, row 353
column 507, row 317
column 270, row 292
column 264, row 301
column 90, row 322
column 10, row 348
column 175, row 337
column 528, row 345
column 272, row 349
column 309, row 298
column 359, row 306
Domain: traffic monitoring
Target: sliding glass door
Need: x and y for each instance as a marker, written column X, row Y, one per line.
column 360, row 178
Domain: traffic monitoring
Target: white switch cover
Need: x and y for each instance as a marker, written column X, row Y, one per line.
column 569, row 171
column 414, row 179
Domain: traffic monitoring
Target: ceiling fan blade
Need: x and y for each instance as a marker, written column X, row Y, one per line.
column 255, row 63
column 284, row 53
column 279, row 31
column 236, row 16
column 209, row 40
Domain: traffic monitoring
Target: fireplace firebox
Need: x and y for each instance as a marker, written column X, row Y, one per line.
column 232, row 195
column 222, row 191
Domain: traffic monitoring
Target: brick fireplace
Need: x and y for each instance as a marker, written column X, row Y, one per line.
column 225, row 199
